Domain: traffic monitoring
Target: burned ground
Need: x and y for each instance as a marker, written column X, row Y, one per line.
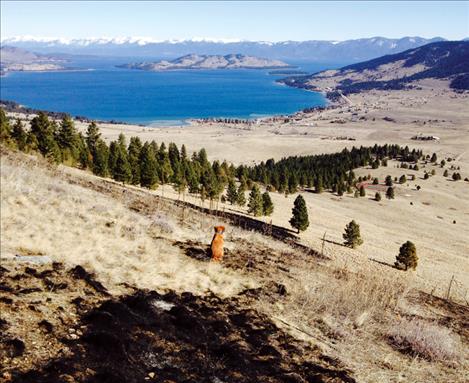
column 144, row 336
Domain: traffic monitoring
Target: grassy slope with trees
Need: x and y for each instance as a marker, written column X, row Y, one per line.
column 150, row 165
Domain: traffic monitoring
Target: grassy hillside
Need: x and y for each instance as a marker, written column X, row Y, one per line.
column 438, row 60
column 271, row 312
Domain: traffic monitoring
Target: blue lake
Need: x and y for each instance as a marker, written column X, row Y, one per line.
column 110, row 93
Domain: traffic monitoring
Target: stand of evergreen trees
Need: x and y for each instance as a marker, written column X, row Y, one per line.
column 151, row 164
column 326, row 171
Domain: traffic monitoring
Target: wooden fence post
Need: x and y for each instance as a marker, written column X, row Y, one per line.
column 449, row 288
column 323, row 240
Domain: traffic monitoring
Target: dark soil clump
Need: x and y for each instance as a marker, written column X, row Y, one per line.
column 183, row 338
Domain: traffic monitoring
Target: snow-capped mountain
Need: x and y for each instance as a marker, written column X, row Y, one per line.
column 311, row 50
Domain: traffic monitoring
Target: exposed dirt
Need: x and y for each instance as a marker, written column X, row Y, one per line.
column 68, row 329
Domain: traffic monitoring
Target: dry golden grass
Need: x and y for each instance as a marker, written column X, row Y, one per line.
column 364, row 319
column 357, row 311
column 41, row 213
column 426, row 340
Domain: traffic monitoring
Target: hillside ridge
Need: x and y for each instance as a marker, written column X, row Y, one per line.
column 439, row 60
column 194, row 61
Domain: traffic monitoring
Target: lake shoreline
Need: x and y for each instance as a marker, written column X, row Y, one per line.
column 156, row 99
column 16, row 107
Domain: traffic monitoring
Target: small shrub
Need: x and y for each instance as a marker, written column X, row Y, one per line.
column 456, row 176
column 378, row 196
column 426, row 340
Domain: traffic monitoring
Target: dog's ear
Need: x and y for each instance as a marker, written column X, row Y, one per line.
column 216, row 229
column 222, row 228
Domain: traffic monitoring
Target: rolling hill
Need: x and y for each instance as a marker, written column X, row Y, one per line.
column 17, row 59
column 193, row 61
column 440, row 60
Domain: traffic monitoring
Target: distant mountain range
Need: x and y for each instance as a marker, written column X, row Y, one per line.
column 193, row 61
column 348, row 51
column 441, row 60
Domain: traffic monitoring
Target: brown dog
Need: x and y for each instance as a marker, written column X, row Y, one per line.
column 217, row 244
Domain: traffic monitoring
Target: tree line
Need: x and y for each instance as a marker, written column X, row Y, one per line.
column 332, row 172
column 150, row 164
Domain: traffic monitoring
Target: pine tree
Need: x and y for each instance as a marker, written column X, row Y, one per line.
column 164, row 165
column 180, row 182
column 193, row 181
column 434, row 158
column 122, row 171
column 255, row 201
column 174, row 159
column 292, row 184
column 390, row 193
column 183, row 153
column 44, row 132
column 340, row 189
column 92, row 137
column 84, row 156
column 388, row 181
column 456, row 176
column 378, row 196
column 113, row 154
column 231, row 192
column 375, row 181
column 148, row 167
column 67, row 139
column 352, row 236
column 299, row 219
column 318, row 185
column 362, row 191
column 241, row 195
column 403, row 179
column 134, row 149
column 100, row 159
column 267, row 204
column 19, row 135
column 5, row 128
column 407, row 258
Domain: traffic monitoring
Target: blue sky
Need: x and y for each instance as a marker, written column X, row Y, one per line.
column 269, row 21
